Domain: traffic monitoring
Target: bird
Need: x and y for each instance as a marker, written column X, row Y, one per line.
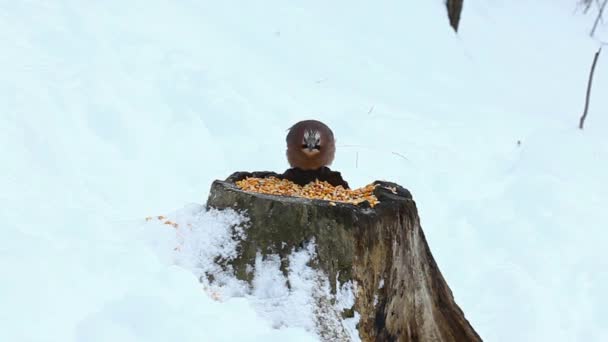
column 310, row 145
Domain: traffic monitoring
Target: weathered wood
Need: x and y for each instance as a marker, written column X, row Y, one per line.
column 401, row 294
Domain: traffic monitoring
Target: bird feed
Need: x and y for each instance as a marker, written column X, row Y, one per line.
column 314, row 190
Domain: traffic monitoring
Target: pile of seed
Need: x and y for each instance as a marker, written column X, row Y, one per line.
column 314, row 190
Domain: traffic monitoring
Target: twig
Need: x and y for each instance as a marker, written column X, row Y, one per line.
column 597, row 54
column 587, row 4
column 599, row 17
column 454, row 9
column 375, row 149
column 400, row 155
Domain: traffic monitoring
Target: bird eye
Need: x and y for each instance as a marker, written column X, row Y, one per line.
column 318, row 147
column 304, row 145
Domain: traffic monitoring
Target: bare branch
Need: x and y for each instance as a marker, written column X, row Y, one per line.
column 587, row 4
column 598, row 18
column 589, row 83
column 454, row 9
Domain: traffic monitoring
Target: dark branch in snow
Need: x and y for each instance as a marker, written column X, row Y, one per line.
column 589, row 83
column 454, row 9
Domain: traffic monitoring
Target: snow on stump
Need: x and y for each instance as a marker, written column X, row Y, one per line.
column 400, row 294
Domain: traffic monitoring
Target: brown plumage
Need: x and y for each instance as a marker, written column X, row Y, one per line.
column 310, row 145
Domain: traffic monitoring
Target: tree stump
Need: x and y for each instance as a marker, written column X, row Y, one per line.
column 400, row 292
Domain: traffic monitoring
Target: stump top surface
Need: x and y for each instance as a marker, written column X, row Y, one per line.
column 388, row 193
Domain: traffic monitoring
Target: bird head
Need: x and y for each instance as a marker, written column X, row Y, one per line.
column 311, row 142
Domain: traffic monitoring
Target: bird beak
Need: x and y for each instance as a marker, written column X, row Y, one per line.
column 310, row 147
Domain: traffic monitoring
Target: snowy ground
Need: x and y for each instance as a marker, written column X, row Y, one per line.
column 111, row 112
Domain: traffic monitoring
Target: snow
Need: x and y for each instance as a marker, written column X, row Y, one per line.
column 115, row 111
column 345, row 299
column 205, row 241
column 284, row 306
